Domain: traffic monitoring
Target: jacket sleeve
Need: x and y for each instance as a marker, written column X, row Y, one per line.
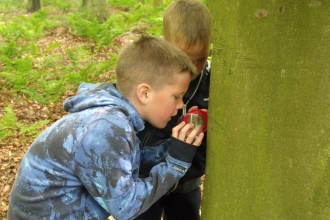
column 153, row 155
column 197, row 168
column 108, row 166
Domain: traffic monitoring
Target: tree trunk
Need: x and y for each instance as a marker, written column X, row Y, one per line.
column 157, row 3
column 33, row 6
column 98, row 8
column 84, row 3
column 269, row 113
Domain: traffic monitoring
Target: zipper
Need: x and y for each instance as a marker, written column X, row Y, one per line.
column 145, row 139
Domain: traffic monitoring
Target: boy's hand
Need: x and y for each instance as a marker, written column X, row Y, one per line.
column 187, row 133
column 196, row 107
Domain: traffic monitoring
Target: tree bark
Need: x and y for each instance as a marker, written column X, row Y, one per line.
column 33, row 6
column 84, row 3
column 157, row 3
column 98, row 8
column 269, row 113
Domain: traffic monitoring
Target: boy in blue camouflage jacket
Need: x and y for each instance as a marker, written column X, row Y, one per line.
column 187, row 24
column 86, row 165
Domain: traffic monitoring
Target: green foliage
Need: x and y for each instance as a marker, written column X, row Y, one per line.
column 87, row 26
column 45, row 71
column 21, row 27
column 60, row 5
column 14, row 5
column 9, row 124
column 125, row 16
column 126, row 3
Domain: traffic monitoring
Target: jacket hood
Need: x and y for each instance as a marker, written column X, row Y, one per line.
column 104, row 94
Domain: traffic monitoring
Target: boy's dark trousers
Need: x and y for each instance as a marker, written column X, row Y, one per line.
column 181, row 204
column 176, row 206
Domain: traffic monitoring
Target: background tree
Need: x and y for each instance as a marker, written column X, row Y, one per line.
column 98, row 8
column 33, row 5
column 157, row 3
column 269, row 111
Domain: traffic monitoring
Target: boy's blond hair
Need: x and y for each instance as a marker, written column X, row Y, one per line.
column 188, row 22
column 150, row 60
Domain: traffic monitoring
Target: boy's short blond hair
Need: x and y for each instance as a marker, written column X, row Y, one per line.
column 188, row 22
column 150, row 60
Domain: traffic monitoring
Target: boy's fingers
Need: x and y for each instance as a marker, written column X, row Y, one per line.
column 176, row 129
column 192, row 136
column 188, row 134
column 192, row 108
column 198, row 139
column 185, row 131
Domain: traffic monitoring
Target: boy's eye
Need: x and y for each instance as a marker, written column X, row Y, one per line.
column 177, row 97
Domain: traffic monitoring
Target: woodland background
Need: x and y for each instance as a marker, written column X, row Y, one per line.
column 46, row 52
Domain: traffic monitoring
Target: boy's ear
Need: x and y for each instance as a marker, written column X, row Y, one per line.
column 142, row 91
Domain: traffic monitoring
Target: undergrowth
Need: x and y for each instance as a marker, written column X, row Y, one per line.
column 9, row 124
column 43, row 74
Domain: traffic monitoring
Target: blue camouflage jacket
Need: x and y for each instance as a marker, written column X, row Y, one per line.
column 86, row 165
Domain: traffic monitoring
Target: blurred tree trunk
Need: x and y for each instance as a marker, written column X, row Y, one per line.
column 269, row 113
column 33, row 5
column 157, row 3
column 98, row 8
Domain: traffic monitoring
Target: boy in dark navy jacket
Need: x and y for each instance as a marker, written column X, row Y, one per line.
column 187, row 24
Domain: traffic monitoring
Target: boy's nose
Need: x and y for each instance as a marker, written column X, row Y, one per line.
column 180, row 105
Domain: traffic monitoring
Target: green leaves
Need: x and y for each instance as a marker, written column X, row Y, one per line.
column 45, row 54
column 10, row 124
